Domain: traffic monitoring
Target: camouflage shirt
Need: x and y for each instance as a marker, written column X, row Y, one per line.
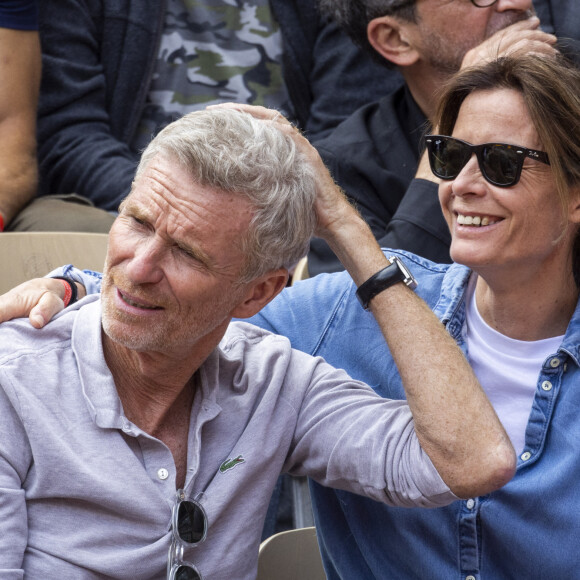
column 213, row 51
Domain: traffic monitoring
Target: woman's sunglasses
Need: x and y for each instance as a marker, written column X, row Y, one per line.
column 189, row 526
column 500, row 164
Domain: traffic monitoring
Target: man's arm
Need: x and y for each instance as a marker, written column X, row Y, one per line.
column 77, row 148
column 19, row 84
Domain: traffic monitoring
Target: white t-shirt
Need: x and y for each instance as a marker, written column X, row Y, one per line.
column 507, row 369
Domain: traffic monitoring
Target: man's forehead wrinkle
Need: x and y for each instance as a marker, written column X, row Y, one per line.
column 193, row 216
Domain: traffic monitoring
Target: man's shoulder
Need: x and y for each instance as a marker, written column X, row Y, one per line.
column 19, row 340
column 243, row 332
column 366, row 126
column 250, row 355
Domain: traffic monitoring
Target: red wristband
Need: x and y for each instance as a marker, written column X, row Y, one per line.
column 1, row 223
column 67, row 293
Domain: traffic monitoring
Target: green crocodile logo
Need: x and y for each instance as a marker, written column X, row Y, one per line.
column 231, row 463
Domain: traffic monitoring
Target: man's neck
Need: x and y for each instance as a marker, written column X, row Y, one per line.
column 152, row 386
column 423, row 82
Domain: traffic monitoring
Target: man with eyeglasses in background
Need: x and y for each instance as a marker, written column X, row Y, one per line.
column 374, row 155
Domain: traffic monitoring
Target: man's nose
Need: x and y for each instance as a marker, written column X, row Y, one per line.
column 145, row 266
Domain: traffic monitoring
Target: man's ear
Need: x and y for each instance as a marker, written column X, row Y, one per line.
column 261, row 291
column 391, row 38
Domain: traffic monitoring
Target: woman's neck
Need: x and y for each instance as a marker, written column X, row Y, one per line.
column 534, row 308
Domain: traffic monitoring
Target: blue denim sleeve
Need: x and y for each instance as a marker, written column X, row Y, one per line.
column 88, row 278
column 304, row 312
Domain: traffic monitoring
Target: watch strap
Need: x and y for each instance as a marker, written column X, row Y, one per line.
column 392, row 274
column 70, row 295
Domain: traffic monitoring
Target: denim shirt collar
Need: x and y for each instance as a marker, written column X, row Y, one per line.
column 571, row 343
column 451, row 310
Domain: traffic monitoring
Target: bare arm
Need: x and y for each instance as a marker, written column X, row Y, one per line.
column 19, row 84
column 454, row 421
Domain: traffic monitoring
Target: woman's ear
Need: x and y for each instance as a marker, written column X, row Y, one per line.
column 392, row 39
column 574, row 205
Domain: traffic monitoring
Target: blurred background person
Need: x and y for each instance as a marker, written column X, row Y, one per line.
column 117, row 71
column 19, row 83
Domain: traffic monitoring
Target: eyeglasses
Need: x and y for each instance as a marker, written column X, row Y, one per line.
column 405, row 3
column 499, row 163
column 189, row 526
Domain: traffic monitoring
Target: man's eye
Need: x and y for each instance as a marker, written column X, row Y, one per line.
column 187, row 253
column 138, row 221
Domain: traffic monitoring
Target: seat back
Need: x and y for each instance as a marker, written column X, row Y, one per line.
column 291, row 555
column 26, row 255
column 301, row 270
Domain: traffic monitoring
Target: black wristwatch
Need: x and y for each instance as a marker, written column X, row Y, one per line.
column 395, row 272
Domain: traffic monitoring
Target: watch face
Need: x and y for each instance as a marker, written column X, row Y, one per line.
column 406, row 277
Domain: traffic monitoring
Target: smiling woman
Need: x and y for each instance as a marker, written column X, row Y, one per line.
column 509, row 162
column 509, row 159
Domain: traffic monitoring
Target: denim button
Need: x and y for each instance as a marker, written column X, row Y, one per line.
column 555, row 362
column 470, row 577
column 547, row 386
column 470, row 504
column 525, row 455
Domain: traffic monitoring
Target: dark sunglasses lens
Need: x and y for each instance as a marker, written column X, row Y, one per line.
column 186, row 573
column 190, row 523
column 448, row 157
column 500, row 164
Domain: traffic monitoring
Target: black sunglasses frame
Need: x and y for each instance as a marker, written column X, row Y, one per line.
column 521, row 154
column 185, row 511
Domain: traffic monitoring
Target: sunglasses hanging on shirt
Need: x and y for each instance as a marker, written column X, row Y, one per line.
column 189, row 527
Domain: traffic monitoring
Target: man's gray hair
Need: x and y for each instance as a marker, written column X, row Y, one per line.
column 233, row 152
column 353, row 16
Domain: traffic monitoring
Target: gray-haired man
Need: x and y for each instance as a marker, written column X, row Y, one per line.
column 142, row 430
